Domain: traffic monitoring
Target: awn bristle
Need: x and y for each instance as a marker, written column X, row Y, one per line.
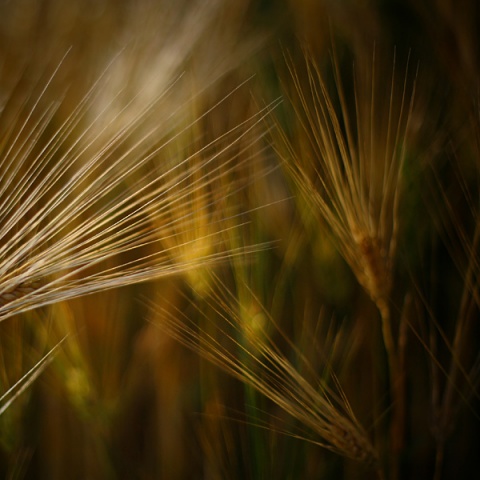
column 76, row 200
column 349, row 167
column 259, row 363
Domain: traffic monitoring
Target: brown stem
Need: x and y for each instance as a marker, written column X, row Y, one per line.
column 397, row 390
column 439, row 460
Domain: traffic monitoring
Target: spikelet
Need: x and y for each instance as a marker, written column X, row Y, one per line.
column 18, row 292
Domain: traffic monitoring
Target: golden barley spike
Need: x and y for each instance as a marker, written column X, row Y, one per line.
column 246, row 351
column 72, row 201
column 349, row 169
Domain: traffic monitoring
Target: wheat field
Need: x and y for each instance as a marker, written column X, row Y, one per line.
column 239, row 239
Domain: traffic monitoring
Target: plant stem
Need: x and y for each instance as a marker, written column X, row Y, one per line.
column 439, row 455
column 397, row 390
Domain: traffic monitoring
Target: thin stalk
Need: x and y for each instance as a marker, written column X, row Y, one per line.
column 397, row 390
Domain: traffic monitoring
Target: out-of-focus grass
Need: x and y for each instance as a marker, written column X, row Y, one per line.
column 308, row 228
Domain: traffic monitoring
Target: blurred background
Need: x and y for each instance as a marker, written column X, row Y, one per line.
column 272, row 363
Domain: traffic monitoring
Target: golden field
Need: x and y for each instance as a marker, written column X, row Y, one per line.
column 239, row 240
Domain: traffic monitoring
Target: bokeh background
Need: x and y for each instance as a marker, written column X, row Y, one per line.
column 235, row 89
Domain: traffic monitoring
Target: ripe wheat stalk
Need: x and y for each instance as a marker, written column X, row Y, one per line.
column 66, row 214
column 348, row 168
column 85, row 184
column 247, row 352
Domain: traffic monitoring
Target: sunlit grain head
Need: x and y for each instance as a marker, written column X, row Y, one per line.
column 80, row 208
column 348, row 158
